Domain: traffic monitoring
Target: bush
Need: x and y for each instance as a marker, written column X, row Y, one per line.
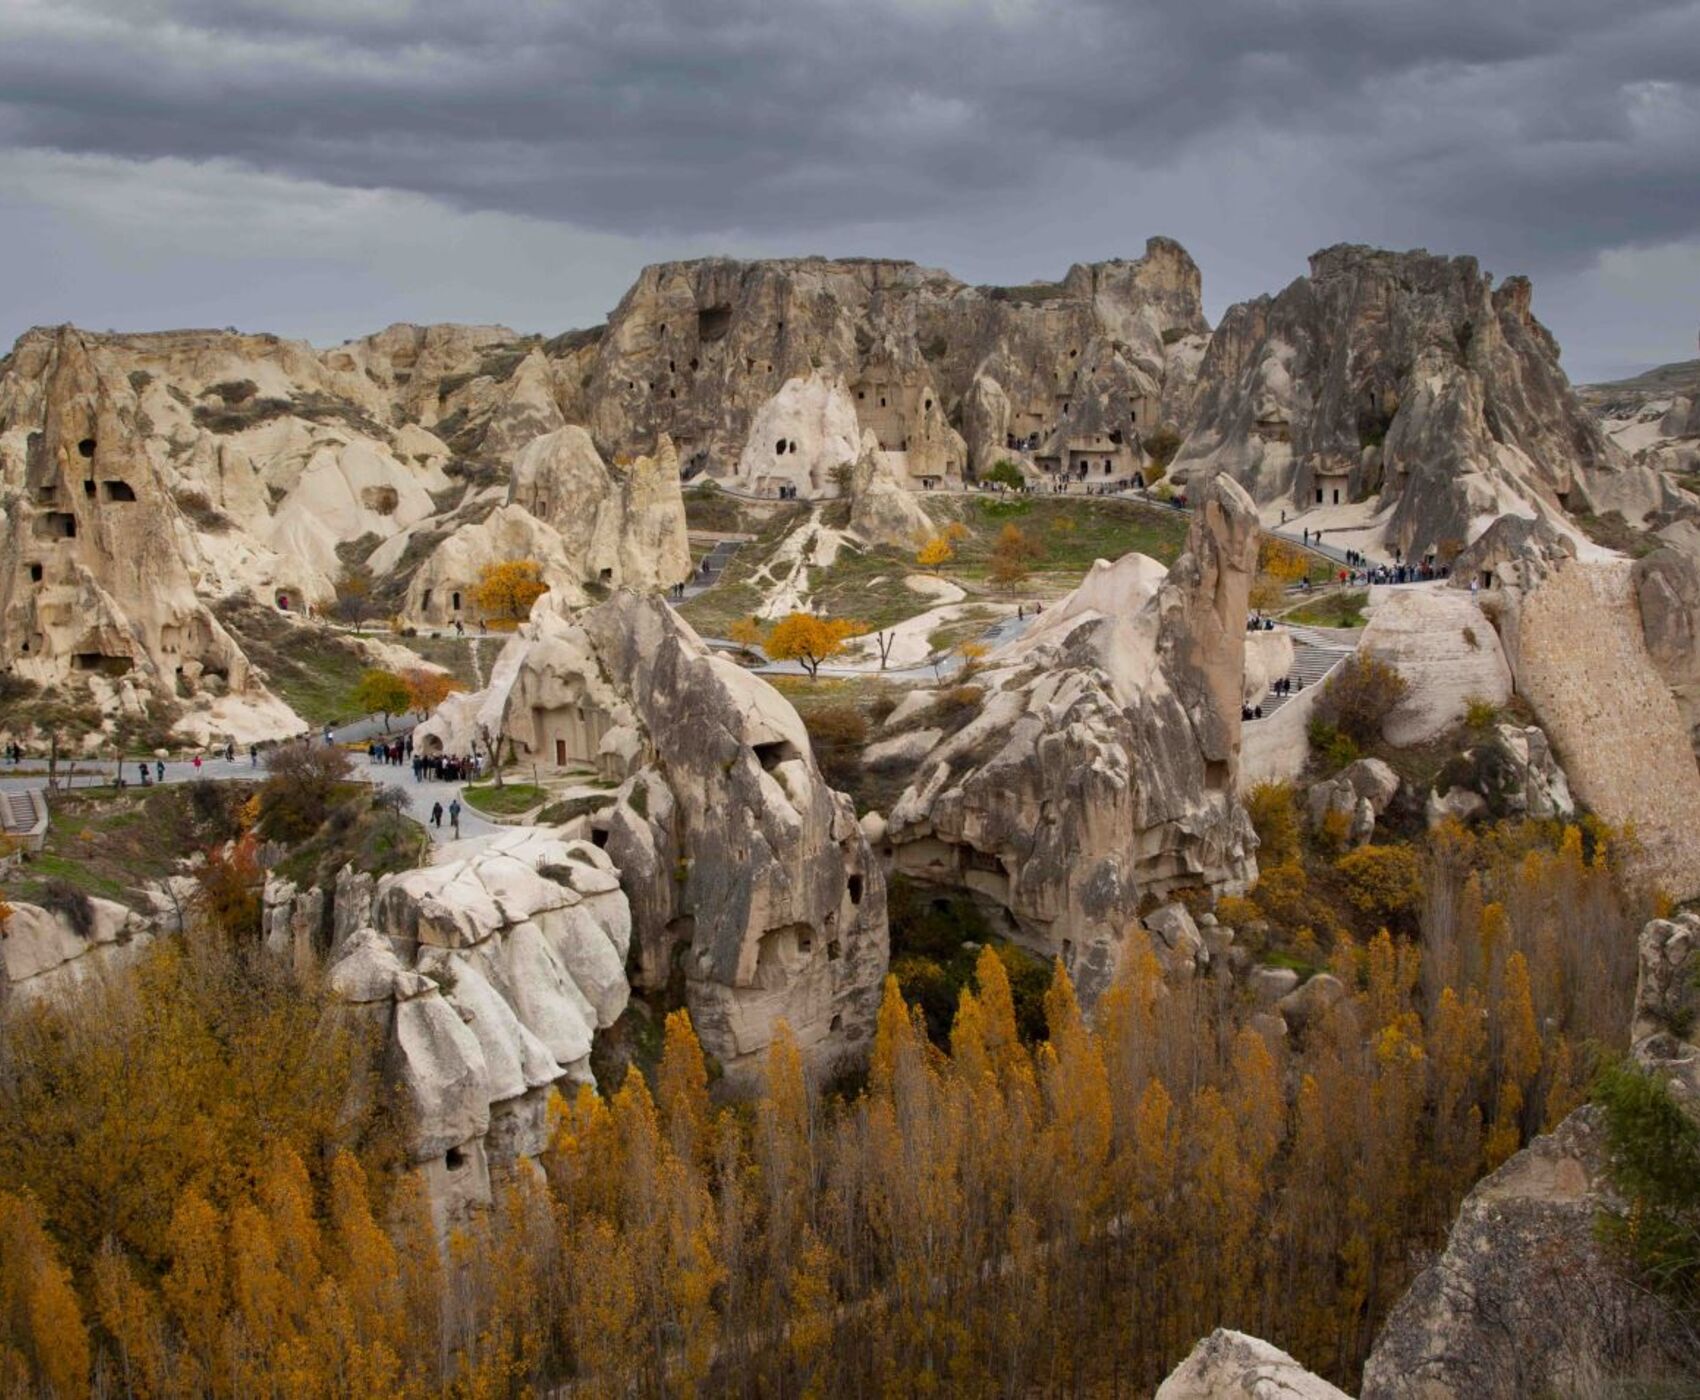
column 959, row 700
column 1332, row 747
column 1480, row 714
column 1654, row 1160
column 71, row 902
column 1385, row 882
column 1006, row 473
column 297, row 796
column 1161, row 447
column 1274, row 813
column 837, row 733
column 1359, row 696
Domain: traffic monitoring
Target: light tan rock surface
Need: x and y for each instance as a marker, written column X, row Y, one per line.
column 488, row 974
column 1442, row 643
column 1232, row 1366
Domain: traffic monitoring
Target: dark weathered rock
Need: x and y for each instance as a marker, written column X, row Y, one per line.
column 1411, row 376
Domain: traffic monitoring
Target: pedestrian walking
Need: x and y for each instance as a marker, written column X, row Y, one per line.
column 253, row 755
column 454, row 816
column 437, row 814
column 196, row 762
column 159, row 770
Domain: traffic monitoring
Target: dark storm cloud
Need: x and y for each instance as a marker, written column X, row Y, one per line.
column 639, row 116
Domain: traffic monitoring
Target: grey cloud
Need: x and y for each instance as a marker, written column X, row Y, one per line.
column 982, row 134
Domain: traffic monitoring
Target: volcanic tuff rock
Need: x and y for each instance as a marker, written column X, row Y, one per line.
column 1655, row 417
column 1232, row 1366
column 745, row 871
column 488, row 975
column 1449, row 654
column 145, row 476
column 43, row 954
column 948, row 377
column 1411, row 376
column 1100, row 770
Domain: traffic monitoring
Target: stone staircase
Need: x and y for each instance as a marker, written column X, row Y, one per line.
column 23, row 815
column 714, row 563
column 1316, row 652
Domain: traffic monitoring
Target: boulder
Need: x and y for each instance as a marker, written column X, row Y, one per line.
column 1359, row 794
column 1232, row 1366
column 489, row 973
column 1271, row 985
column 1310, row 1003
column 49, row 953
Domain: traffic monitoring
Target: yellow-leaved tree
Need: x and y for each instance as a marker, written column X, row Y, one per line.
column 505, row 592
column 811, row 640
column 428, row 689
column 935, row 552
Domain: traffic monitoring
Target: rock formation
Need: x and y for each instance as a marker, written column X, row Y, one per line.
column 1509, row 772
column 1448, row 652
column 52, row 952
column 1655, row 417
column 487, row 976
column 1573, row 631
column 1407, row 377
column 1099, row 774
column 949, row 378
column 747, row 874
column 1232, row 1366
column 144, row 477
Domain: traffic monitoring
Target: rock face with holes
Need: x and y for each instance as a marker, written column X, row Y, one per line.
column 1411, row 378
column 586, row 525
column 748, row 876
column 1098, row 774
column 144, row 477
column 729, row 359
column 98, row 589
column 487, row 977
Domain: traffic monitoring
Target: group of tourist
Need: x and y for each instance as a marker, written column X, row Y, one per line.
column 447, row 768
column 14, row 754
column 394, row 752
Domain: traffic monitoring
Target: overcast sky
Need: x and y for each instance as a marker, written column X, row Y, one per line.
column 321, row 168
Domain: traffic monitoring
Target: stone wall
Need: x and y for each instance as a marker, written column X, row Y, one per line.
column 1582, row 662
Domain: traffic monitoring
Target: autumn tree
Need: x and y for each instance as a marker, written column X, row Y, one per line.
column 746, row 632
column 1013, row 557
column 811, row 639
column 935, row 553
column 354, row 588
column 383, row 693
column 427, row 689
column 505, row 591
column 44, row 1342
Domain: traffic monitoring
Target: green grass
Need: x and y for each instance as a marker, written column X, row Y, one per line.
column 1070, row 532
column 108, row 842
column 710, row 509
column 509, row 800
column 312, row 669
column 1331, row 610
column 453, row 654
column 712, row 612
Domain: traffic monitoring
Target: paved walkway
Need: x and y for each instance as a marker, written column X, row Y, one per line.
column 420, row 796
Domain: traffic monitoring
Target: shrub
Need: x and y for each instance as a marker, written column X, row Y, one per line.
column 837, row 733
column 1359, row 696
column 1480, row 714
column 1006, row 473
column 71, row 902
column 1654, row 1160
column 1274, row 813
column 297, row 795
column 1332, row 747
column 1385, row 882
column 1161, row 447
column 958, row 700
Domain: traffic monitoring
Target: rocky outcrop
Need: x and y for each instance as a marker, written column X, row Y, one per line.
column 1448, row 652
column 1510, row 772
column 1354, row 799
column 52, row 952
column 585, row 524
column 1099, row 773
column 882, row 509
column 1232, row 1366
column 98, row 590
column 1582, row 661
column 1065, row 374
column 748, row 876
column 1411, row 378
column 486, row 977
column 1655, row 417
column 1667, row 592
